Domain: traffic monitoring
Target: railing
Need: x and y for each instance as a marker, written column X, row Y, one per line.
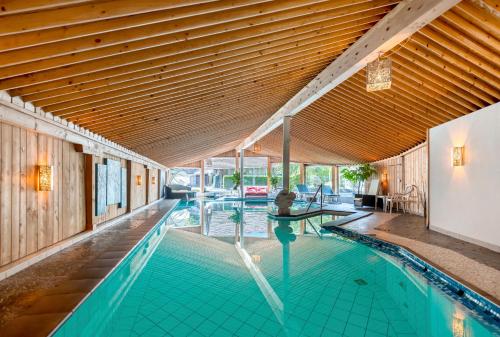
column 320, row 189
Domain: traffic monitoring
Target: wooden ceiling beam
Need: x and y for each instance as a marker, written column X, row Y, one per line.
column 84, row 12
column 404, row 20
column 265, row 57
column 141, row 50
column 197, row 57
column 9, row 7
column 193, row 26
column 192, row 91
column 187, row 116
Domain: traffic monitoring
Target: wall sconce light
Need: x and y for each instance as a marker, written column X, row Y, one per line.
column 153, row 180
column 138, row 180
column 257, row 147
column 458, row 156
column 45, row 178
column 384, row 176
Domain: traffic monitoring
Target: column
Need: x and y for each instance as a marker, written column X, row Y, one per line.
column 302, row 173
column 335, row 179
column 286, row 152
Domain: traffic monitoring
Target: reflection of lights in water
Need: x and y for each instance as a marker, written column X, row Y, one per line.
column 457, row 325
column 256, row 258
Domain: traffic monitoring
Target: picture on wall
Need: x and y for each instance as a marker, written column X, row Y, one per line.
column 113, row 195
column 123, row 194
column 162, row 183
column 100, row 189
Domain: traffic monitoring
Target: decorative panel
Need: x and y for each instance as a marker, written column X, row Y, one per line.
column 123, row 194
column 100, row 188
column 113, row 195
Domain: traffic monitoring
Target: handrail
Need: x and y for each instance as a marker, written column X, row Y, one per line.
column 320, row 188
column 317, row 233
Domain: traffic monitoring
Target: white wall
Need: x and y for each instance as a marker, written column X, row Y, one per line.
column 465, row 200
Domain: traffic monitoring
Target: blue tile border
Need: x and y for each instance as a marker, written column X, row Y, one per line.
column 487, row 311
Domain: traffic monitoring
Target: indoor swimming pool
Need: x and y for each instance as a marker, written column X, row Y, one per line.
column 227, row 269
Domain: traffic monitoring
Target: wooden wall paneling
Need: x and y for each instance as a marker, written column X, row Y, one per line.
column 66, row 169
column 15, row 191
column 5, row 195
column 138, row 192
column 23, row 194
column 31, row 193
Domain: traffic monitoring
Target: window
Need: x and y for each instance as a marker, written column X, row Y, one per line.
column 218, row 172
column 317, row 175
column 277, row 171
column 255, row 171
column 185, row 176
column 345, row 186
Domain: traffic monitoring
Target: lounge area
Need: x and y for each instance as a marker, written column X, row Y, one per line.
column 249, row 168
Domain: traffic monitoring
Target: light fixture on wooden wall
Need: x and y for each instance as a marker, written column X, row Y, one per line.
column 45, row 178
column 153, row 180
column 384, row 177
column 379, row 74
column 257, row 147
column 458, row 156
column 138, row 180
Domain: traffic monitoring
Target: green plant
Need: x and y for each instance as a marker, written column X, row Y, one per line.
column 274, row 182
column 357, row 175
column 236, row 179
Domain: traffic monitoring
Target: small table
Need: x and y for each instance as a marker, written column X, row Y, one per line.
column 384, row 201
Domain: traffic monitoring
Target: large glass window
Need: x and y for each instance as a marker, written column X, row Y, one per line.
column 317, row 175
column 255, row 171
column 185, row 176
column 218, row 172
column 277, row 171
column 345, row 186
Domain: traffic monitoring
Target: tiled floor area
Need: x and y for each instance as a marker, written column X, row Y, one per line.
column 471, row 264
column 35, row 300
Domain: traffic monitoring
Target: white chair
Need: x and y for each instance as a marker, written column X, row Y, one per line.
column 403, row 199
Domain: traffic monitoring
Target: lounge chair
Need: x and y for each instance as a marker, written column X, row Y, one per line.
column 304, row 192
column 328, row 193
column 255, row 192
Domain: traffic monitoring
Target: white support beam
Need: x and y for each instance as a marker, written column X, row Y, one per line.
column 405, row 19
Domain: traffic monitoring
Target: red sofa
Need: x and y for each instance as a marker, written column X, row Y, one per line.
column 255, row 191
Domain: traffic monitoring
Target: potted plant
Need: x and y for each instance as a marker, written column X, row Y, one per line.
column 236, row 180
column 358, row 175
column 274, row 182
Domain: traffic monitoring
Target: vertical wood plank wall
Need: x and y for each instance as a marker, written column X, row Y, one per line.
column 152, row 185
column 407, row 169
column 31, row 220
column 138, row 193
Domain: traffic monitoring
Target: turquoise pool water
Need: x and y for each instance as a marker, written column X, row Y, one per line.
column 226, row 269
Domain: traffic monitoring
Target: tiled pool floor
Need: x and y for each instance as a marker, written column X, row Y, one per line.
column 193, row 286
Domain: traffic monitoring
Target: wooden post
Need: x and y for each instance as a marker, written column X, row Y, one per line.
column 335, row 179
column 302, row 173
column 130, row 185
column 89, row 191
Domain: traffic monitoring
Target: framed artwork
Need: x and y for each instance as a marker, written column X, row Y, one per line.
column 113, row 191
column 100, row 189
column 123, row 190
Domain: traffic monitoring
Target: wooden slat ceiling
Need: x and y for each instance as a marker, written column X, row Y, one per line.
column 448, row 69
column 179, row 81
column 173, row 80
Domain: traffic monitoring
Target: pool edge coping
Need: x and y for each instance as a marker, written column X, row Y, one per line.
column 471, row 294
column 116, row 266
